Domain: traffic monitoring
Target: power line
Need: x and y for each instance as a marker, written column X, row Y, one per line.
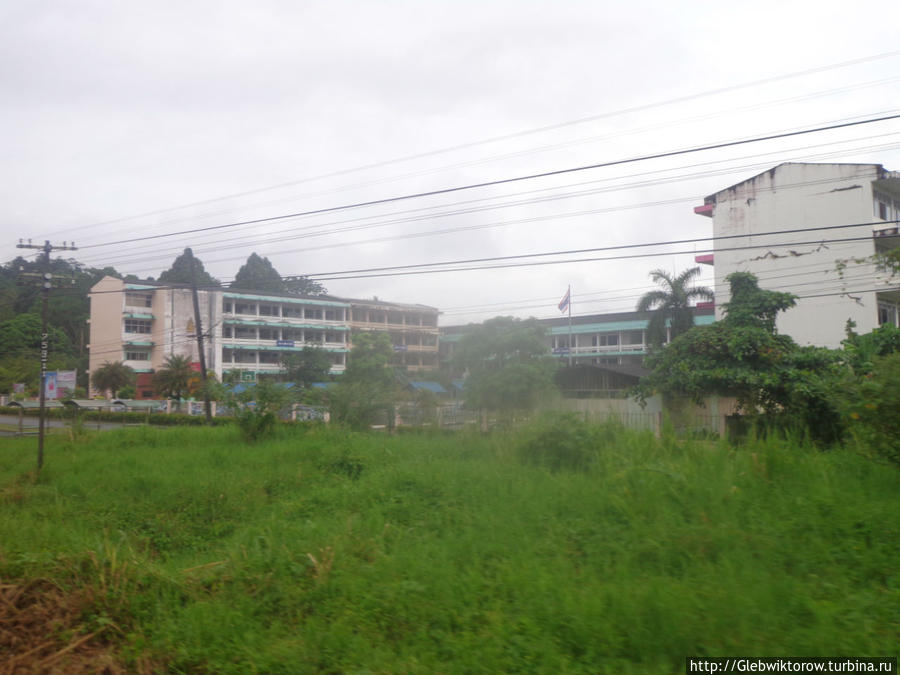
column 325, row 276
column 504, row 137
column 316, row 230
column 505, row 181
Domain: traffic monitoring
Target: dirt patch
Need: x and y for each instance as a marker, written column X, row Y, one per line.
column 42, row 630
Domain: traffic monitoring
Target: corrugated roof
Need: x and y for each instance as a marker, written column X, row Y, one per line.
column 435, row 387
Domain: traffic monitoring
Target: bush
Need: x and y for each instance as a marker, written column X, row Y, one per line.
column 871, row 408
column 560, row 442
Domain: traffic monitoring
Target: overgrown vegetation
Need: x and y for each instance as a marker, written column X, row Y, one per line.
column 323, row 550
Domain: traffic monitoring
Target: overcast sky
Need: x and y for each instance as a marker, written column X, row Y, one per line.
column 126, row 120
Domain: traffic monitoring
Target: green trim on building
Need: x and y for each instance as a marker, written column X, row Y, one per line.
column 616, row 326
column 297, row 301
column 266, row 348
column 135, row 315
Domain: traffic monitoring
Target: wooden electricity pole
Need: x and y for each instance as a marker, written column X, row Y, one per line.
column 199, row 329
column 46, row 285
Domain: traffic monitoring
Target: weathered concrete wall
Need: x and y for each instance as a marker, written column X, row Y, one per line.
column 795, row 196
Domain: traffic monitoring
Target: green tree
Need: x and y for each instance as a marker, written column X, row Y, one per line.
column 672, row 303
column 311, row 364
column 173, row 379
column 744, row 356
column 304, row 286
column 870, row 404
column 180, row 271
column 368, row 388
column 507, row 364
column 112, row 376
column 862, row 350
column 258, row 274
column 21, row 336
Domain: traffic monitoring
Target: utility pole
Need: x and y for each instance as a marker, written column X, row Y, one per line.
column 199, row 330
column 47, row 284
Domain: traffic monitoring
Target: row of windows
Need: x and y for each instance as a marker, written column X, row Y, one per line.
column 405, row 359
column 295, row 334
column 249, row 357
column 629, row 338
column 396, row 318
column 287, row 311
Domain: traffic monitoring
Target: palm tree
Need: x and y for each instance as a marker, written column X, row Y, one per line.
column 112, row 376
column 173, row 379
column 672, row 303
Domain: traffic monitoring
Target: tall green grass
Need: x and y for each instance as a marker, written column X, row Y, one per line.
column 328, row 551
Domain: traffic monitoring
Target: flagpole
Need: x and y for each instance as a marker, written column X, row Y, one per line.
column 571, row 346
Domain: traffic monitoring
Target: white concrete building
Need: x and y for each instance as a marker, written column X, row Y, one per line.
column 762, row 220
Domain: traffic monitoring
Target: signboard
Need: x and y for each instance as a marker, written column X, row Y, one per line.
column 50, row 385
column 399, row 348
column 285, row 343
column 195, row 366
column 561, row 350
column 65, row 382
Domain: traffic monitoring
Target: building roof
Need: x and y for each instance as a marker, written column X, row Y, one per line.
column 434, row 387
column 387, row 306
column 878, row 169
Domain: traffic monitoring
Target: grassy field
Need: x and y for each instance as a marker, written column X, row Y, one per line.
column 184, row 550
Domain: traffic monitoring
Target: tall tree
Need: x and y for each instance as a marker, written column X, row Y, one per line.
column 302, row 285
column 368, row 387
column 112, row 376
column 310, row 364
column 744, row 356
column 508, row 366
column 672, row 303
column 180, row 271
column 173, row 379
column 258, row 274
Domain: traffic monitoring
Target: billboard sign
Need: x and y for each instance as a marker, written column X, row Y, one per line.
column 65, row 383
column 50, row 385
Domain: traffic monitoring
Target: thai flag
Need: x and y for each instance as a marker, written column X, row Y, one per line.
column 564, row 303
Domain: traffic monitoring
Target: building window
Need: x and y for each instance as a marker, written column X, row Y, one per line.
column 268, row 333
column 292, row 312
column 227, row 332
column 137, row 326
column 245, row 332
column 227, row 307
column 887, row 314
column 270, row 358
column 242, row 356
column 227, row 356
column 245, row 308
column 313, row 313
column 138, row 299
column 268, row 310
column 137, row 356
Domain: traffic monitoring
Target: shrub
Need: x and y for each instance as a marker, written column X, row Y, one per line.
column 560, row 442
column 871, row 407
